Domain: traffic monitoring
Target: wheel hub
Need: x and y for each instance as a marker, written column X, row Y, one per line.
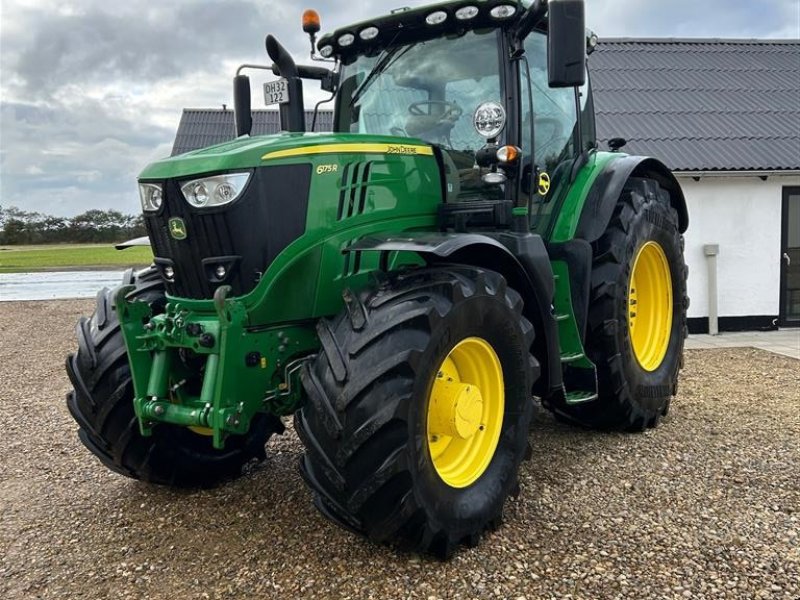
column 465, row 412
column 456, row 408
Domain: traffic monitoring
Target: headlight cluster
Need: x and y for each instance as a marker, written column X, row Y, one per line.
column 201, row 193
column 214, row 191
column 151, row 195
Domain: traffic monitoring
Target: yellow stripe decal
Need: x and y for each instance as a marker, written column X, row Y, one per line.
column 405, row 149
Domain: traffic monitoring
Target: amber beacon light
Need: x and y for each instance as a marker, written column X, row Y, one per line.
column 311, row 22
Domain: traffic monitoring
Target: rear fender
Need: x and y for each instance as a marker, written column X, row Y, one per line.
column 606, row 189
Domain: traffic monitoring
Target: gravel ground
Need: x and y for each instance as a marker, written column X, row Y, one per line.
column 706, row 506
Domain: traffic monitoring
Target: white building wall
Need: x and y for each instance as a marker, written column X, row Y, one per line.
column 743, row 215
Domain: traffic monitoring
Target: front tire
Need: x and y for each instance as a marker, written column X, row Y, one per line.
column 102, row 404
column 397, row 376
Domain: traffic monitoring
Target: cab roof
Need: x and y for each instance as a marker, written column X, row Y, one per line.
column 405, row 25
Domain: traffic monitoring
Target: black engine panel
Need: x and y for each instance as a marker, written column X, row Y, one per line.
column 244, row 236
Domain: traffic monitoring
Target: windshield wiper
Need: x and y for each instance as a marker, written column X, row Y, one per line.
column 385, row 60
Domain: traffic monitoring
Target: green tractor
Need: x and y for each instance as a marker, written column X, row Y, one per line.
column 410, row 286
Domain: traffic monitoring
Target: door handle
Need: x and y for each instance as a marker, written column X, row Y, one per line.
column 787, row 259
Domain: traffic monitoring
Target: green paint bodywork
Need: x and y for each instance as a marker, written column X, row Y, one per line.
column 558, row 220
column 277, row 318
column 255, row 344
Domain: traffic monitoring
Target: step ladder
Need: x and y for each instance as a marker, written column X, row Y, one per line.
column 572, row 352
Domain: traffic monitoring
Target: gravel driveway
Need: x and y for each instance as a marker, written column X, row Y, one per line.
column 706, row 506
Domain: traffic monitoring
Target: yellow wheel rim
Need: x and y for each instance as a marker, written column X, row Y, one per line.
column 465, row 412
column 206, row 431
column 650, row 306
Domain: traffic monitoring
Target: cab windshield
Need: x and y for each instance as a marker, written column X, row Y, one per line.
column 427, row 90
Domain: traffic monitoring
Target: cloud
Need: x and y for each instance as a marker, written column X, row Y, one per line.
column 92, row 47
column 92, row 91
column 65, row 159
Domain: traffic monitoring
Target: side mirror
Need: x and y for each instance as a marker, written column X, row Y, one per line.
column 242, row 110
column 566, row 43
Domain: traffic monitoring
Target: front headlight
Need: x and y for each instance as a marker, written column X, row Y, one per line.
column 151, row 195
column 214, row 191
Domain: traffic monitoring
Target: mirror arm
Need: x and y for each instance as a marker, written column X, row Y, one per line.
column 329, row 79
column 249, row 66
column 532, row 17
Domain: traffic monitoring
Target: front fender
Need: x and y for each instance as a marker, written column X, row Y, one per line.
column 438, row 244
column 140, row 241
column 521, row 258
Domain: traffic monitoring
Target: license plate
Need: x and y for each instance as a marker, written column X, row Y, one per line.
column 276, row 92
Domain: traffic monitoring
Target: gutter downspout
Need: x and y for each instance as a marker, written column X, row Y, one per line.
column 711, row 251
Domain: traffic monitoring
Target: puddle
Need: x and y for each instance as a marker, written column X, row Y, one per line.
column 55, row 285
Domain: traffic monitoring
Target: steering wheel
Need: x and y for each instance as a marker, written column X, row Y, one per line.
column 452, row 111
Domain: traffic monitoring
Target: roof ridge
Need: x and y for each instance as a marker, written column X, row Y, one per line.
column 671, row 89
column 705, row 138
column 744, row 69
column 700, row 40
column 255, row 110
column 696, row 112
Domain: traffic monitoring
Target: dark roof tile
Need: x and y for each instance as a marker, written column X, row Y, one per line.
column 701, row 104
column 203, row 127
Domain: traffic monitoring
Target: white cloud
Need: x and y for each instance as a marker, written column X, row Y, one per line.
column 92, row 91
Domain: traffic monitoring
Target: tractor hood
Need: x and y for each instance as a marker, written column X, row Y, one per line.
column 200, row 248
column 250, row 152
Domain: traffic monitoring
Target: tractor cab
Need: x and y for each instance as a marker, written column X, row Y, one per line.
column 431, row 90
column 508, row 113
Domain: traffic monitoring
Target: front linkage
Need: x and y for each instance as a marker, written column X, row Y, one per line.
column 209, row 370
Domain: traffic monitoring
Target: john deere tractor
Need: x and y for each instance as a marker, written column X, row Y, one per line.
column 409, row 287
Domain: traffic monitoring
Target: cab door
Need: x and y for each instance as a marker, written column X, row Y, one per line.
column 552, row 130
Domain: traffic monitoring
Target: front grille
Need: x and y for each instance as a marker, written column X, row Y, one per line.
column 245, row 236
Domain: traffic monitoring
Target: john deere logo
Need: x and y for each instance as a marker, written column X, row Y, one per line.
column 177, row 228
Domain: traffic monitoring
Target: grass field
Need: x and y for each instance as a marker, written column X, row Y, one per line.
column 26, row 259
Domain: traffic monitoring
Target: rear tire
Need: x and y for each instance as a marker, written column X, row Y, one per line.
column 102, row 404
column 366, row 422
column 635, row 385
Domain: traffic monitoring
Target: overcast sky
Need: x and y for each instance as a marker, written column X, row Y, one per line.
column 92, row 90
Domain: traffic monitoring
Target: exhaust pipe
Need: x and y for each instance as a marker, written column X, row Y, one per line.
column 293, row 116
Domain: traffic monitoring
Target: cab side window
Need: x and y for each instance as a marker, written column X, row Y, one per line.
column 553, row 119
